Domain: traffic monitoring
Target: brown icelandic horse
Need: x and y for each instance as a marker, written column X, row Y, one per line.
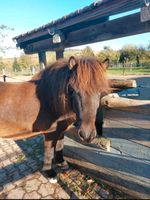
column 44, row 105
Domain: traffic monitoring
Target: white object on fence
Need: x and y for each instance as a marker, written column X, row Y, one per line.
column 3, row 72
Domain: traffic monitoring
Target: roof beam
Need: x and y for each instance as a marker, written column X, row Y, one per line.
column 125, row 26
column 107, row 8
column 92, row 12
column 122, row 27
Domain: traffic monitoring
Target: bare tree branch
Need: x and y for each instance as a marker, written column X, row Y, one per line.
column 3, row 34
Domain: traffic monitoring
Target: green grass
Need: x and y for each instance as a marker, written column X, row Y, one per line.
column 135, row 70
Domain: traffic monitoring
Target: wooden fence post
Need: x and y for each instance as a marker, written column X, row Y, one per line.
column 4, row 75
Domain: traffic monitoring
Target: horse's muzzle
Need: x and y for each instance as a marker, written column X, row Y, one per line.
column 86, row 137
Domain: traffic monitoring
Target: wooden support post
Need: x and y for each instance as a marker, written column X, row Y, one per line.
column 42, row 59
column 59, row 53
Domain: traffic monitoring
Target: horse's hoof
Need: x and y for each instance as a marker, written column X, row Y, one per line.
column 53, row 180
column 51, row 175
column 62, row 166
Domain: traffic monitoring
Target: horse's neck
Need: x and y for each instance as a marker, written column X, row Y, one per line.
column 63, row 112
column 52, row 92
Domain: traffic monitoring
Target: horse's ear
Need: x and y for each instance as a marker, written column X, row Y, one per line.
column 106, row 63
column 72, row 62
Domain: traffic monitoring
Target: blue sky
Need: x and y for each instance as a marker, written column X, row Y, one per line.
column 25, row 15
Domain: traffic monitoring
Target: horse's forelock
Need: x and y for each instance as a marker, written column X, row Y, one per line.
column 90, row 76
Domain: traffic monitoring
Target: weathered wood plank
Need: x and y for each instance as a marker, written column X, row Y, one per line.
column 118, row 129
column 108, row 30
column 122, row 83
column 130, row 92
column 128, row 118
column 130, row 148
column 102, row 9
column 143, row 109
column 124, row 170
column 144, row 93
column 123, row 138
column 44, row 45
column 110, row 177
column 108, row 8
column 131, row 105
column 95, row 33
column 106, row 159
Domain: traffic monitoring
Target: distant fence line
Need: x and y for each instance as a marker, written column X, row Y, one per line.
column 131, row 64
column 27, row 72
column 33, row 70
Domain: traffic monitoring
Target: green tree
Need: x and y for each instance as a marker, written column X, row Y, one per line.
column 87, row 52
column 136, row 54
column 24, row 61
column 107, row 52
column 124, row 56
column 130, row 52
column 16, row 67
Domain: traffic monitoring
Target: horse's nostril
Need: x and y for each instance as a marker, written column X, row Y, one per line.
column 94, row 133
column 80, row 135
column 92, row 136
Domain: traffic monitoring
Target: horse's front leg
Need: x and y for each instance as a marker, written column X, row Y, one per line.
column 49, row 146
column 61, row 164
column 61, row 127
column 53, row 149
